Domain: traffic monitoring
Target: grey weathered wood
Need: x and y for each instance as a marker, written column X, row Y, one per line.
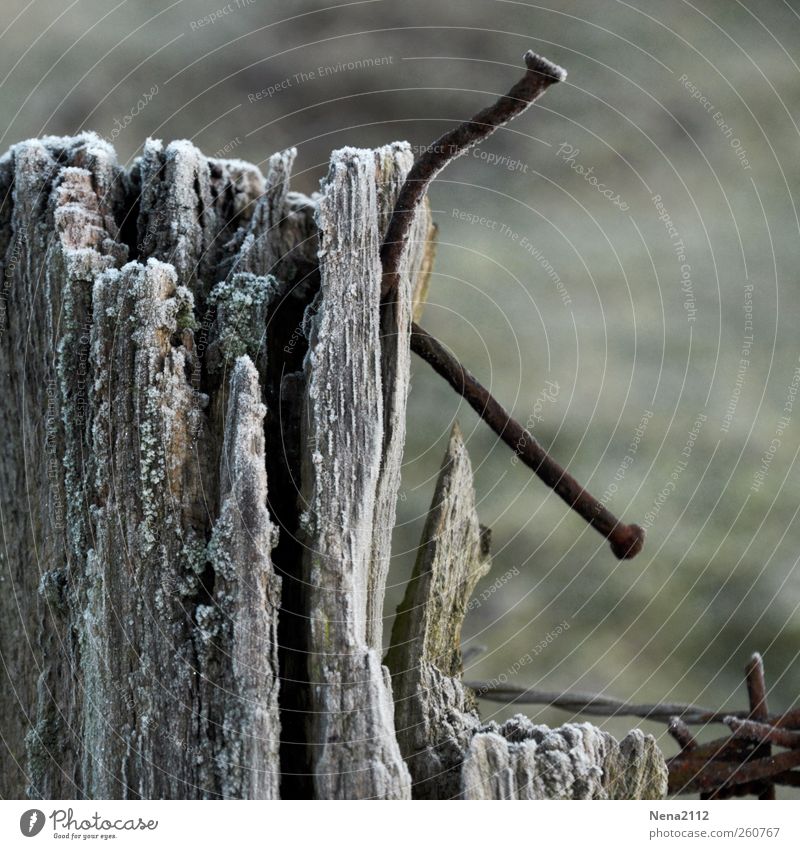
column 435, row 715
column 392, row 164
column 240, row 626
column 191, row 207
column 203, row 410
column 58, row 198
column 423, row 278
column 276, row 229
column 449, row 753
column 152, row 651
column 147, row 514
column 520, row 760
column 356, row 753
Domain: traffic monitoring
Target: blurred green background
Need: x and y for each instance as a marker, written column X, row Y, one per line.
column 695, row 103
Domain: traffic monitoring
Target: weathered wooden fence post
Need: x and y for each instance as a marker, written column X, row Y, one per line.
column 203, row 411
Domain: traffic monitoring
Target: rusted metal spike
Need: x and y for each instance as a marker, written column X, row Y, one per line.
column 626, row 540
column 757, row 692
column 756, row 687
column 680, row 732
column 762, row 732
column 688, row 776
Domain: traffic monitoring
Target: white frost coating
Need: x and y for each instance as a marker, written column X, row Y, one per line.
column 392, row 164
column 57, row 232
column 520, row 760
column 146, row 488
column 190, row 206
column 354, row 751
column 177, row 216
column 158, row 653
column 450, row 755
column 281, row 226
column 152, row 668
column 247, row 597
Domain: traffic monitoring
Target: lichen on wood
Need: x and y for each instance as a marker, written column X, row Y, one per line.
column 120, row 696
column 204, row 417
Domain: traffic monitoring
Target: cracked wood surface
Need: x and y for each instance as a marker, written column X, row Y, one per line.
column 436, row 715
column 204, row 407
column 149, row 667
column 357, row 755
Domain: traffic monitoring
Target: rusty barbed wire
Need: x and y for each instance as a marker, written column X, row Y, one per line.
column 741, row 764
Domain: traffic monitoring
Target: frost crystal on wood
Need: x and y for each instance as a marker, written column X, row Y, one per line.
column 154, row 671
column 204, row 406
column 520, row 760
column 449, row 753
column 356, row 753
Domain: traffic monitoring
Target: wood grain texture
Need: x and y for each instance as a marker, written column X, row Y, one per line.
column 436, row 716
column 449, row 753
column 58, row 233
column 520, row 760
column 204, row 412
column 392, row 164
column 356, row 753
column 150, row 665
column 190, row 208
